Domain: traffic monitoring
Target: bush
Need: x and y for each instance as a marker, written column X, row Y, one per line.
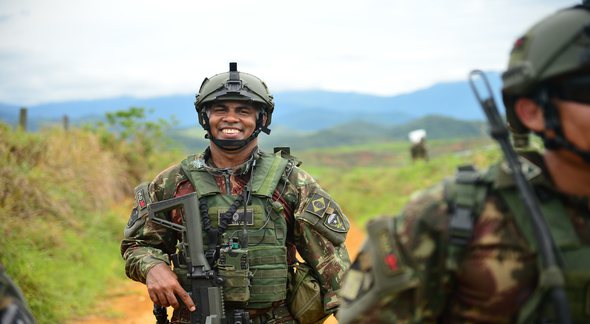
column 59, row 238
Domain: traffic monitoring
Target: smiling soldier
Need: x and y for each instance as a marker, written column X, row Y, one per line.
column 280, row 206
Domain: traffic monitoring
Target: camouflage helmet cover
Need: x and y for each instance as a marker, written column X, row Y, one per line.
column 234, row 85
column 556, row 45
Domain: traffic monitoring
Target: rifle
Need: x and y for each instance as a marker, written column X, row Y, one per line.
column 205, row 284
column 551, row 272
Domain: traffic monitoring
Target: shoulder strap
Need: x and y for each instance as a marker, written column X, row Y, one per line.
column 564, row 236
column 197, row 175
column 465, row 197
column 267, row 174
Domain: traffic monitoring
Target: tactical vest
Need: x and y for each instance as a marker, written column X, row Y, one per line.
column 266, row 228
column 466, row 197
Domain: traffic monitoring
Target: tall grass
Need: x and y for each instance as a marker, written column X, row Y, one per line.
column 59, row 236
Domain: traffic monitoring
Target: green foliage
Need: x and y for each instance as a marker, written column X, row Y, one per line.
column 135, row 139
column 59, row 238
column 61, row 269
column 59, row 234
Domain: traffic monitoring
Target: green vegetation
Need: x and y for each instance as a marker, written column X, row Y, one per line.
column 59, row 234
column 363, row 180
column 64, row 197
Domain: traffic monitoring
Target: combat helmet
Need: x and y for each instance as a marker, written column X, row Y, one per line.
column 556, row 46
column 234, row 85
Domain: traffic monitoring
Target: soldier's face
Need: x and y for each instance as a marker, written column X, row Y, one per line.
column 232, row 120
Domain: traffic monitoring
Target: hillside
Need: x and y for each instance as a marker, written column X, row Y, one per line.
column 59, row 233
column 352, row 133
column 304, row 110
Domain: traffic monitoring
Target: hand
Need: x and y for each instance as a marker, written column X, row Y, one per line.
column 163, row 287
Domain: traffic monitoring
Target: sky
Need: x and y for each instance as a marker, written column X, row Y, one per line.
column 62, row 50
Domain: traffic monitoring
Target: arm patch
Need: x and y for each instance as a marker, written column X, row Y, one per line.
column 139, row 213
column 326, row 217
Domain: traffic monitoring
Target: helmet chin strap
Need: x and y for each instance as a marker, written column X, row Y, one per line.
column 235, row 145
column 553, row 123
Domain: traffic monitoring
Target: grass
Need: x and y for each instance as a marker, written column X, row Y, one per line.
column 368, row 190
column 60, row 234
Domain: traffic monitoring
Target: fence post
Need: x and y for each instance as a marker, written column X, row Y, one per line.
column 66, row 121
column 22, row 121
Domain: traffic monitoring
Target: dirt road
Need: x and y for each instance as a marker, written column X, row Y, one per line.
column 129, row 302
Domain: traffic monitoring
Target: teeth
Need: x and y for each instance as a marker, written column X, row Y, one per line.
column 229, row 131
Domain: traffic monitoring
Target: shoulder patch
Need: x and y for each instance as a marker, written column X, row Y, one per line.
column 335, row 222
column 142, row 198
column 325, row 216
column 317, row 205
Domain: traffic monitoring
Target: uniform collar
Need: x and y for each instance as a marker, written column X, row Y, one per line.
column 203, row 163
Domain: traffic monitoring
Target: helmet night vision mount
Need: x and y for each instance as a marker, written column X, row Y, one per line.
column 236, row 86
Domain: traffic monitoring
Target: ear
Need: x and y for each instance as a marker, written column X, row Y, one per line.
column 530, row 114
column 264, row 118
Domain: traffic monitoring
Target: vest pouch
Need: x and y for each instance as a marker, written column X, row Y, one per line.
column 304, row 298
column 234, row 269
column 268, row 265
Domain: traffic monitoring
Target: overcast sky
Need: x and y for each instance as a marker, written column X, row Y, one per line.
column 77, row 49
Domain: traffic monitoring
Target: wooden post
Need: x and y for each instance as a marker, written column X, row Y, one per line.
column 22, row 121
column 66, row 122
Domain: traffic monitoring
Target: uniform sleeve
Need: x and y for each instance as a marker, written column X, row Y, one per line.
column 319, row 234
column 147, row 244
column 399, row 274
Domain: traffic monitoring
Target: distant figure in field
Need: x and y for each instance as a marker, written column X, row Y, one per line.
column 418, row 149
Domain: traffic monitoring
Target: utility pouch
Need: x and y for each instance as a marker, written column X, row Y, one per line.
column 304, row 298
column 234, row 268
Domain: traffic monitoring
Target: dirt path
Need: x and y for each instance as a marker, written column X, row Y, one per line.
column 129, row 302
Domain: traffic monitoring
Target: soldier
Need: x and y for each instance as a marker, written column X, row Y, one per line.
column 418, row 149
column 464, row 251
column 287, row 212
column 13, row 306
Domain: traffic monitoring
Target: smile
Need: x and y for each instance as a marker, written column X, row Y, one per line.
column 230, row 131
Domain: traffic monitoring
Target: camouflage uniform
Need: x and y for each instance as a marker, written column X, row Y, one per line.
column 13, row 306
column 409, row 271
column 149, row 244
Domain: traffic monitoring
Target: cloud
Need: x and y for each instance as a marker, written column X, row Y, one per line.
column 66, row 49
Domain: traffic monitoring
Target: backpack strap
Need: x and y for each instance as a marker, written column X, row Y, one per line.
column 564, row 236
column 465, row 197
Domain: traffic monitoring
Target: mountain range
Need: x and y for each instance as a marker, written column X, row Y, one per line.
column 296, row 110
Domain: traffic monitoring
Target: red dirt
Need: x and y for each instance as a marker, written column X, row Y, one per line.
column 130, row 303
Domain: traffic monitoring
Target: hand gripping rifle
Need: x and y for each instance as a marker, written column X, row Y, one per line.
column 205, row 285
column 551, row 274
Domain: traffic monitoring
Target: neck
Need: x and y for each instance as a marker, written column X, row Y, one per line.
column 229, row 159
column 569, row 172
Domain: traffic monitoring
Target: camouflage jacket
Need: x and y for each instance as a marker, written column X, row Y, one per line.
column 150, row 244
column 404, row 274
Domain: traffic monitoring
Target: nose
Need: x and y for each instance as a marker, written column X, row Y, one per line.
column 231, row 116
